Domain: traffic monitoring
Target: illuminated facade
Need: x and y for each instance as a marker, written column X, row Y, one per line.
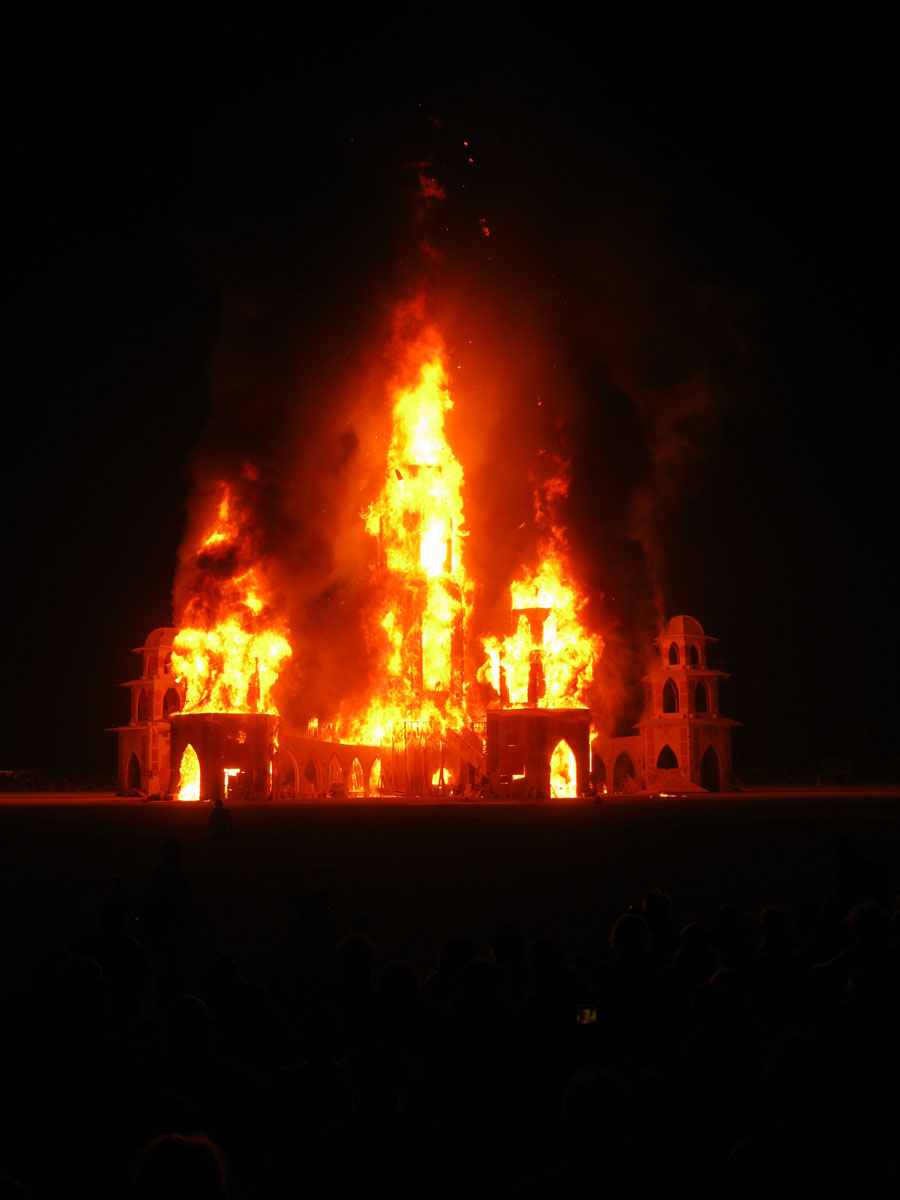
column 683, row 742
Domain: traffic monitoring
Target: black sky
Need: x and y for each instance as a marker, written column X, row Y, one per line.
column 203, row 230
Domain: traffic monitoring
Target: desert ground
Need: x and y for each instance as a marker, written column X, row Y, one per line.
column 411, row 873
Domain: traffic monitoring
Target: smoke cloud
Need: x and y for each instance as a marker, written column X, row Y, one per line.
column 581, row 340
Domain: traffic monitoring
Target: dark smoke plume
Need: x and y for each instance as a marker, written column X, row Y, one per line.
column 579, row 336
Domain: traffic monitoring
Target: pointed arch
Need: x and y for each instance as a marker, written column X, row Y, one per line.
column 133, row 774
column 356, row 785
column 335, row 771
column 312, row 773
column 442, row 777
column 670, row 697
column 563, row 770
column 143, row 705
column 695, row 655
column 710, row 770
column 598, row 770
column 673, row 655
column 667, row 760
column 171, row 703
column 289, row 774
column 623, row 769
column 375, row 777
column 189, row 775
column 701, row 698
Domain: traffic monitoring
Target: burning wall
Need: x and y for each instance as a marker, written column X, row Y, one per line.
column 422, row 655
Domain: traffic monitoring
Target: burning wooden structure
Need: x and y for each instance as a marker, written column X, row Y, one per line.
column 204, row 719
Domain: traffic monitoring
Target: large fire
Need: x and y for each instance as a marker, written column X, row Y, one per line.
column 230, row 647
column 423, row 592
column 548, row 660
column 231, row 644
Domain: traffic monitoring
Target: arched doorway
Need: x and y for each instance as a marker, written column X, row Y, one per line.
column 623, row 769
column 442, row 779
column 189, row 775
column 701, row 698
column 670, row 697
column 563, row 772
column 598, row 770
column 357, row 784
column 667, row 760
column 171, row 703
column 133, row 774
column 143, row 706
column 710, row 771
column 673, row 655
column 375, row 777
column 289, row 775
column 312, row 773
column 335, row 778
column 695, row 656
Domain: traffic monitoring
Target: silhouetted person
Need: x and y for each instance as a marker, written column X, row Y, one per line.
column 399, row 1013
column 695, row 962
column 10, row 1189
column 174, row 1167
column 732, row 939
column 303, row 965
column 441, row 983
column 775, row 971
column 220, row 822
column 167, row 919
column 870, row 966
column 507, row 951
column 170, row 894
column 124, row 958
column 353, row 992
column 860, row 879
column 657, row 909
column 627, row 991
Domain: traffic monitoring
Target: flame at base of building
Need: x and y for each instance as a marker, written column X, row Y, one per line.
column 683, row 743
column 223, row 756
column 539, row 753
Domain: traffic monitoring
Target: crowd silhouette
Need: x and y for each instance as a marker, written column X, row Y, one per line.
column 756, row 1054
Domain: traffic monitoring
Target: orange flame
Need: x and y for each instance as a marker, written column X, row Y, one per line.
column 548, row 661
column 416, row 636
column 189, row 775
column 563, row 771
column 230, row 647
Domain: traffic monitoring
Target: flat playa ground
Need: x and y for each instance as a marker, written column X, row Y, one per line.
column 416, row 872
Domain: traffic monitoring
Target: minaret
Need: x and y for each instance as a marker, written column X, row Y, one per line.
column 682, row 728
column 144, row 742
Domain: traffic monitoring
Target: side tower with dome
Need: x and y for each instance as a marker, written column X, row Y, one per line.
column 682, row 741
column 144, row 742
column 683, row 730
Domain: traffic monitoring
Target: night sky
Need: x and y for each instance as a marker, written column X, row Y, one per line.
column 689, row 264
